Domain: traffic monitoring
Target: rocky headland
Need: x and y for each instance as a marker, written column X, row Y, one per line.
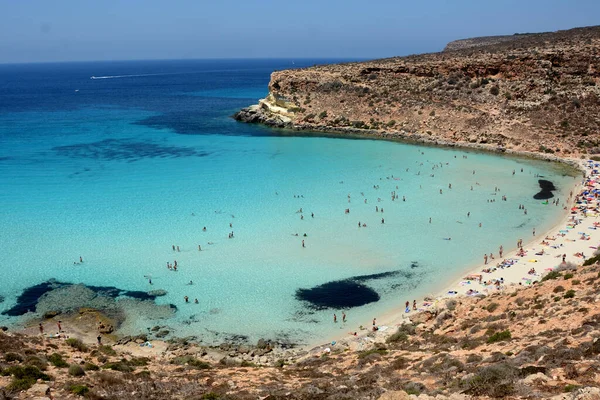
column 536, row 93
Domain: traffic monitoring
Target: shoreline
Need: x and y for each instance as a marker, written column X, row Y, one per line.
column 312, row 345
column 512, row 279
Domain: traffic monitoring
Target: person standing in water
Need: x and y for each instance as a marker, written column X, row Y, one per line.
column 343, row 316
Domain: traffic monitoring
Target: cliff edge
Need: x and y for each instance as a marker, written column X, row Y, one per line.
column 534, row 93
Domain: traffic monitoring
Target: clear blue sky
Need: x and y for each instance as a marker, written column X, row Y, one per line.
column 69, row 30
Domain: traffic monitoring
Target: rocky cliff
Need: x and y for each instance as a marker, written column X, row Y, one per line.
column 534, row 92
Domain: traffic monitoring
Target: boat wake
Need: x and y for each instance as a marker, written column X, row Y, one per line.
column 124, row 76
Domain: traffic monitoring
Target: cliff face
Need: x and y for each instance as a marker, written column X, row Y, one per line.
column 537, row 92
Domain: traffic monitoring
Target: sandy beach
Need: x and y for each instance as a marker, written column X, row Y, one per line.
column 575, row 234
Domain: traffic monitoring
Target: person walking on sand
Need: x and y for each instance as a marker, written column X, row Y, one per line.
column 41, row 329
column 501, row 250
column 374, row 321
column 99, row 339
column 414, row 305
column 485, row 258
column 59, row 326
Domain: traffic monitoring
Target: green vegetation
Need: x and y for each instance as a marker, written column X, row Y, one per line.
column 108, row 350
column 571, row 388
column 118, row 366
column 596, row 258
column 57, row 360
column 568, row 276
column 79, row 390
column 500, row 336
column 76, row 370
column 497, row 380
column 558, row 289
column 399, row 336
column 492, row 307
column 24, row 377
column 366, row 353
column 551, row 275
column 77, row 344
column 191, row 361
column 210, row 396
column 90, row 367
column 569, row 294
column 10, row 357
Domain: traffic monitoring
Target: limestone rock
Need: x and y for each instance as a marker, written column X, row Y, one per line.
column 395, row 395
column 39, row 390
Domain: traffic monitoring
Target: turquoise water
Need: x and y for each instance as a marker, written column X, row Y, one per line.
column 119, row 183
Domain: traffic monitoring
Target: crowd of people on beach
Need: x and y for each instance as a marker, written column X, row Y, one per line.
column 493, row 264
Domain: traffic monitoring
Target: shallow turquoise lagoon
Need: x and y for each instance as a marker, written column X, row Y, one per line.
column 119, row 183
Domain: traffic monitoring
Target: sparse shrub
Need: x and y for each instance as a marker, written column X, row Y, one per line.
column 10, row 357
column 24, row 377
column 432, row 113
column 559, row 289
column 37, row 362
column 76, row 370
column 556, row 298
column 494, row 90
column 367, row 353
column 191, row 361
column 551, row 275
column 500, row 336
column 108, row 350
column 79, row 390
column 520, row 301
column 451, row 304
column 575, row 281
column 399, row 336
column 57, row 360
column 77, row 344
column 248, row 364
column 492, row 307
column 496, row 380
column 568, row 276
column 90, row 367
column 399, row 363
column 571, row 388
column 138, row 361
column 474, row 358
column 280, row 363
column 569, row 294
column 210, row 396
column 118, row 366
column 323, row 114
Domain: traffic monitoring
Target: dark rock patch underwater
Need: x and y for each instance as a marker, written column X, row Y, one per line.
column 28, row 300
column 346, row 293
column 546, row 189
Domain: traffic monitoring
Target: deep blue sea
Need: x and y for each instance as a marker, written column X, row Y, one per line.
column 122, row 168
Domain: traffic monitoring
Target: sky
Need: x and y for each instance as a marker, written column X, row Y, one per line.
column 80, row 30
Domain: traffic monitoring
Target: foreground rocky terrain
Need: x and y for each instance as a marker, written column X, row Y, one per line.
column 541, row 341
column 533, row 93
